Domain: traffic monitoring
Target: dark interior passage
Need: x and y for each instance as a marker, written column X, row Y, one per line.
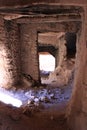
column 70, row 44
column 51, row 49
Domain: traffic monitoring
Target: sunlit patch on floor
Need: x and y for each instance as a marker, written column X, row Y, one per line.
column 35, row 97
column 8, row 99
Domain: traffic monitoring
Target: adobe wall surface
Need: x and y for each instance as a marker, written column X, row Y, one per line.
column 29, row 45
column 18, row 57
column 13, row 41
column 9, row 57
column 78, row 105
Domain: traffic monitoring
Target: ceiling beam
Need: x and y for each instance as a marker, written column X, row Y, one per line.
column 51, row 18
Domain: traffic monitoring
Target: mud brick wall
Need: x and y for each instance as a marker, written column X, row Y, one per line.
column 78, row 105
column 9, row 54
column 13, row 34
column 77, row 113
column 29, row 51
column 29, row 46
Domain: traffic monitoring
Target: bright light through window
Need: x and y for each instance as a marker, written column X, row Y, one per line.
column 46, row 62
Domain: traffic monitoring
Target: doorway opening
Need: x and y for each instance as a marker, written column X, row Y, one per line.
column 70, row 44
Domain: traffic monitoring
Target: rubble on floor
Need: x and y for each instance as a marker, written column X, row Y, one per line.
column 62, row 75
column 37, row 96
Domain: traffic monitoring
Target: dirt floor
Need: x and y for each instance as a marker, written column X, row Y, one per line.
column 45, row 116
column 12, row 118
column 43, row 108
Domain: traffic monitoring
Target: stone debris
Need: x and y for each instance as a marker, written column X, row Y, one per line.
column 38, row 96
column 60, row 75
column 30, row 110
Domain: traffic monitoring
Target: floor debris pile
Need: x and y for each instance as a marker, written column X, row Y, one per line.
column 37, row 96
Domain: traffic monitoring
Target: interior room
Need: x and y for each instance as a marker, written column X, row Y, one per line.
column 43, row 65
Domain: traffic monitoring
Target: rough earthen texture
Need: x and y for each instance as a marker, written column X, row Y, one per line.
column 28, row 2
column 29, row 45
column 14, row 46
column 56, row 40
column 78, row 106
column 29, row 53
column 9, row 54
